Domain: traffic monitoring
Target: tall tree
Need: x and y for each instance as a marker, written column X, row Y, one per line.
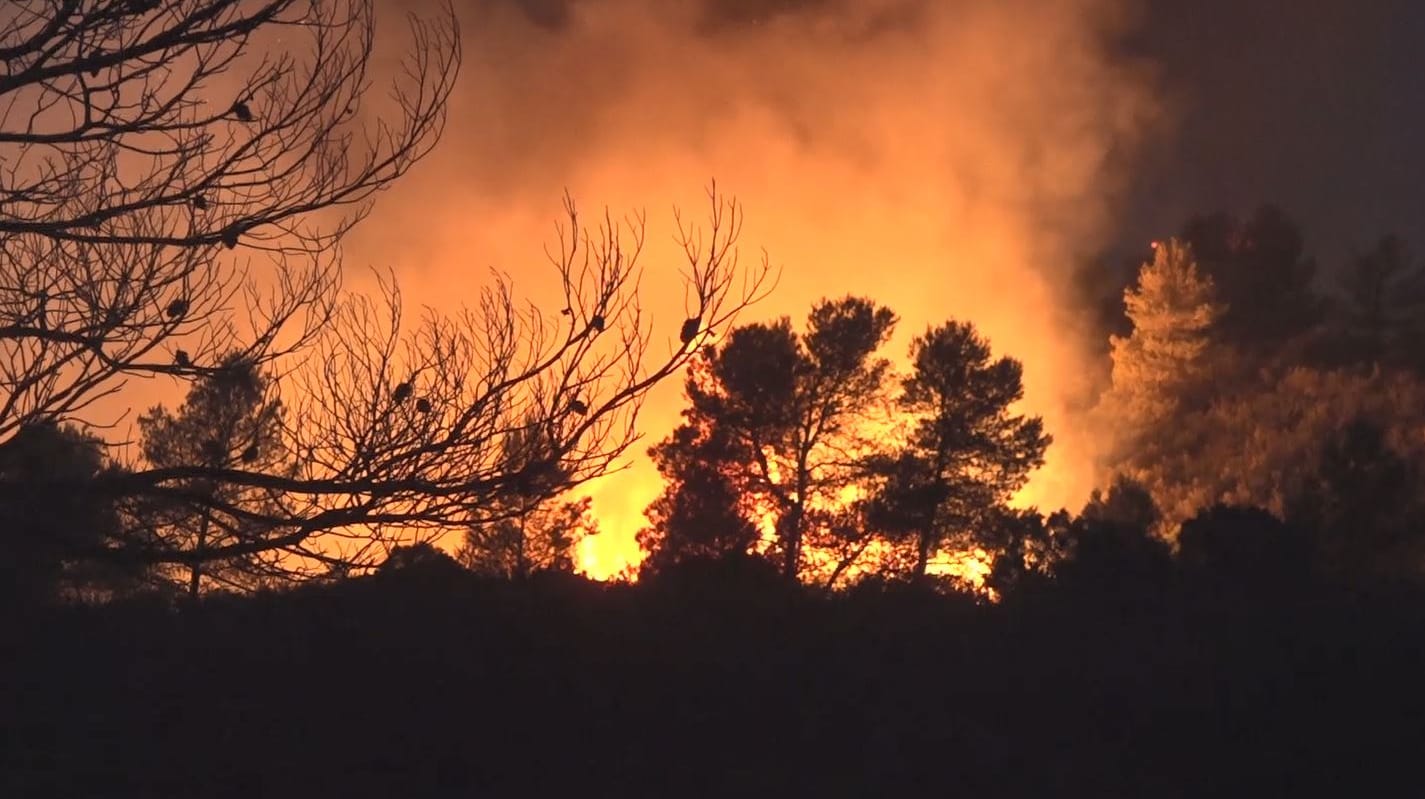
column 783, row 415
column 1384, row 306
column 1173, row 308
column 703, row 513
column 1260, row 273
column 49, row 538
column 967, row 452
column 534, row 533
column 228, row 420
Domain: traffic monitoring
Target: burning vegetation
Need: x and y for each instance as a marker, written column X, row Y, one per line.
column 340, row 551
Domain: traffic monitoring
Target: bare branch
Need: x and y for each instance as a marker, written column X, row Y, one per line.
column 159, row 162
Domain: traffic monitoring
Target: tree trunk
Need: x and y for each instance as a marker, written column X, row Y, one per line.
column 791, row 559
column 521, row 565
column 792, row 567
column 195, row 576
column 922, row 555
column 791, row 534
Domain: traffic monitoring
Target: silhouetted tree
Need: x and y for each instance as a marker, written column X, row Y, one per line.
column 502, row 400
column 1383, row 316
column 783, row 411
column 1111, row 548
column 230, row 421
column 420, row 560
column 1023, row 545
column 136, row 196
column 145, row 142
column 536, row 538
column 1244, row 546
column 702, row 513
column 1260, row 274
column 55, row 525
column 1364, row 505
column 1126, row 504
column 967, row 453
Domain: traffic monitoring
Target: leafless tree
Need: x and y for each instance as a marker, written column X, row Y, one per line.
column 154, row 154
column 464, row 420
column 175, row 179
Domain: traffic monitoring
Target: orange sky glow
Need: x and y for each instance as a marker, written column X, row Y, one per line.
column 946, row 159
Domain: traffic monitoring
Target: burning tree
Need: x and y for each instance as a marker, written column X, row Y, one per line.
column 797, row 430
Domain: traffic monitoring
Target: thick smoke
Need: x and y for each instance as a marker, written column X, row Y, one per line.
column 950, row 158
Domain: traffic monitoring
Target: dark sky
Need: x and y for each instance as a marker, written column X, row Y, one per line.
column 1316, row 105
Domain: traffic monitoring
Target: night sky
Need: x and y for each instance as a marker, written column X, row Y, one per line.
column 1314, row 105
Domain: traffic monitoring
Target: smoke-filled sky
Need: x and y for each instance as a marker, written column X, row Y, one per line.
column 1313, row 104
column 949, row 158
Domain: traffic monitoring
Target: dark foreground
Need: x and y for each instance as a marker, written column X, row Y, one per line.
column 433, row 683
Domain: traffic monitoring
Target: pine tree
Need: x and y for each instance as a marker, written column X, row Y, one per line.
column 967, row 453
column 1384, row 312
column 700, row 515
column 777, row 414
column 1173, row 309
column 54, row 527
column 537, row 537
column 226, row 422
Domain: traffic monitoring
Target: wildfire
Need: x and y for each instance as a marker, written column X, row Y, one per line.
column 971, row 173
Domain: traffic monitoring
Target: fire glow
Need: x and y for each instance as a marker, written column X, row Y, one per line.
column 947, row 159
